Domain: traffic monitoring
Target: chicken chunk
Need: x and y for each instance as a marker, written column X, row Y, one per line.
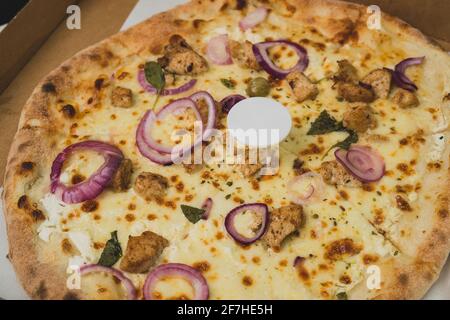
column 352, row 92
column 283, row 222
column 335, row 174
column 359, row 118
column 346, row 72
column 302, row 87
column 142, row 252
column 243, row 54
column 151, row 186
column 250, row 166
column 121, row 179
column 180, row 58
column 405, row 99
column 380, row 80
column 122, row 97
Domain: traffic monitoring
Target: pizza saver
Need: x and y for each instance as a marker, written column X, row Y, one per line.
column 259, row 122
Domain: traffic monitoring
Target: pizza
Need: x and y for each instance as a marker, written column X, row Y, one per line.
column 105, row 199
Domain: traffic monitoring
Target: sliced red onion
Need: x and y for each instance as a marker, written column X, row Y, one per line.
column 207, row 206
column 259, row 208
column 171, row 108
column 228, row 102
column 92, row 187
column 364, row 163
column 261, row 52
column 211, row 122
column 312, row 191
column 176, row 270
column 253, row 18
column 126, row 282
column 218, row 50
column 164, row 92
column 399, row 75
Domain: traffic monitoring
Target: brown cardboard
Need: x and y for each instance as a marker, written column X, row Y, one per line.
column 102, row 18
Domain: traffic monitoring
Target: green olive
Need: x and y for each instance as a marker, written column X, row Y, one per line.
column 258, row 87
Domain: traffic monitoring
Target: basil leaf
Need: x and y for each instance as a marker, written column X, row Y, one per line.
column 154, row 74
column 342, row 296
column 325, row 124
column 228, row 83
column 112, row 251
column 351, row 139
column 191, row 213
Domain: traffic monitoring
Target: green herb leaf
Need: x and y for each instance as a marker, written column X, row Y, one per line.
column 154, row 74
column 112, row 251
column 345, row 144
column 342, row 296
column 325, row 124
column 228, row 83
column 191, row 213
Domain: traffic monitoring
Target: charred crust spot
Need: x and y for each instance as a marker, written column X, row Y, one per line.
column 77, row 178
column 66, row 246
column 41, row 291
column 403, row 279
column 224, row 6
column 443, row 213
column 69, row 111
column 345, row 279
column 48, row 87
column 98, row 84
column 37, row 215
column 27, row 166
column 339, row 248
column 202, row 266
column 292, row 9
column 70, row 296
column 402, row 204
column 89, row 206
column 22, row 203
column 247, row 281
column 241, row 4
column 197, row 23
column 190, row 67
column 369, row 259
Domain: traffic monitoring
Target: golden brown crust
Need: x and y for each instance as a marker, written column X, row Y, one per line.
column 405, row 278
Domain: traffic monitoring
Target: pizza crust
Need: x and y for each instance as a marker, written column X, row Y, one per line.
column 406, row 278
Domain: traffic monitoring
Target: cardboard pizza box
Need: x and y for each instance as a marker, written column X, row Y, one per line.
column 38, row 40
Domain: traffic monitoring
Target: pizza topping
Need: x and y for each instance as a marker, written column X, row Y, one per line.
column 254, row 18
column 262, row 212
column 218, row 50
column 359, row 118
column 121, row 179
column 180, row 58
column 207, row 206
column 363, row 163
column 284, row 221
column 261, row 52
column 69, row 111
column 353, row 92
column 402, row 204
column 243, row 54
column 336, row 250
column 117, row 274
column 193, row 214
column 177, row 270
column 405, row 99
column 335, row 174
column 142, row 252
column 305, row 188
column 399, row 76
column 164, row 91
column 96, row 183
column 151, row 186
column 258, row 87
column 122, row 97
column 112, row 251
column 346, row 72
column 303, row 88
column 380, row 81
column 228, row 102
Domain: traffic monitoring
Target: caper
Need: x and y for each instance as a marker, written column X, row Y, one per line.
column 258, row 87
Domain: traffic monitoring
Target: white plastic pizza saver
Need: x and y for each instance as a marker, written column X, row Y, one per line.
column 259, row 122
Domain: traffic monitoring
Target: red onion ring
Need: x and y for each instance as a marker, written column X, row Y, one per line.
column 364, row 163
column 195, row 278
column 92, row 187
column 171, row 108
column 399, row 74
column 218, row 50
column 164, row 92
column 253, row 18
column 211, row 122
column 311, row 193
column 228, row 103
column 261, row 52
column 207, row 206
column 126, row 282
column 260, row 208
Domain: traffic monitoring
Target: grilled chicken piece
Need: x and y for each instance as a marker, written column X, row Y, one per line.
column 346, row 72
column 352, row 92
column 243, row 54
column 122, row 97
column 335, row 174
column 142, row 252
column 151, row 186
column 405, row 99
column 380, row 80
column 121, row 179
column 359, row 118
column 302, row 87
